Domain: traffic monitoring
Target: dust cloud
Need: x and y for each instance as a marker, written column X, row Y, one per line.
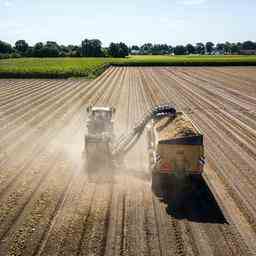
column 70, row 144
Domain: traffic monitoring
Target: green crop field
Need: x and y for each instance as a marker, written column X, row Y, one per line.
column 189, row 60
column 53, row 67
column 92, row 67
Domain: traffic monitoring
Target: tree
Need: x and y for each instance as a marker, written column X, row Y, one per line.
column 65, row 51
column 29, row 52
column 38, row 50
column 160, row 49
column 209, row 46
column 239, row 46
column 170, row 49
column 156, row 49
column 234, row 48
column 51, row 49
column 21, row 46
column 74, row 51
column 220, row 47
column 179, row 50
column 190, row 49
column 123, row 50
column 135, row 47
column 105, row 52
column 227, row 47
column 5, row 47
column 248, row 45
column 113, row 50
column 118, row 50
column 91, row 48
column 69, row 51
column 200, row 49
column 147, row 48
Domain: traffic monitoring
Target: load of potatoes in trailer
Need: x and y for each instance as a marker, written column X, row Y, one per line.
column 176, row 152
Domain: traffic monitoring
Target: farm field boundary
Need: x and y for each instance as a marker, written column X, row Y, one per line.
column 92, row 67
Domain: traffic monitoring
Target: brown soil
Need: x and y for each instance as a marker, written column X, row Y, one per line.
column 49, row 205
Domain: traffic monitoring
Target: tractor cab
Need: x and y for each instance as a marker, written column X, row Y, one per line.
column 100, row 120
column 102, row 113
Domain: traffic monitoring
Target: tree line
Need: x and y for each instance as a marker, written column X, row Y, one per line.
column 93, row 48
column 88, row 48
column 199, row 48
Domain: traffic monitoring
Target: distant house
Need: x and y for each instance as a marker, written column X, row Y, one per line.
column 248, row 52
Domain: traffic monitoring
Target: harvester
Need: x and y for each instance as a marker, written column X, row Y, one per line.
column 175, row 145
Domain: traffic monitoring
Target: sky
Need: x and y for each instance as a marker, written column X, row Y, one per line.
column 134, row 22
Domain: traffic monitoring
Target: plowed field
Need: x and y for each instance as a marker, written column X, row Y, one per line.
column 49, row 207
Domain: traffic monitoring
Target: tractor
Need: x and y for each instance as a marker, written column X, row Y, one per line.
column 99, row 138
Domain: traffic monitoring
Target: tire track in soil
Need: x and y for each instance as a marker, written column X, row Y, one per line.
column 19, row 108
column 20, row 94
column 65, row 165
column 34, row 154
column 20, row 87
column 22, row 238
column 175, row 242
column 95, row 228
column 27, row 186
column 45, row 251
column 220, row 125
column 35, row 148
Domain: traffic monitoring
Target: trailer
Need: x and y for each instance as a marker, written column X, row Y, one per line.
column 176, row 155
